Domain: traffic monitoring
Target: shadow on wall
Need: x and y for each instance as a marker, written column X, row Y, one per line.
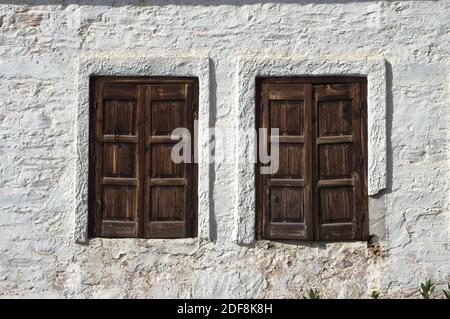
column 118, row 3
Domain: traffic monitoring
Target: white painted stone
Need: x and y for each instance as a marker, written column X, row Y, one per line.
column 47, row 53
column 134, row 64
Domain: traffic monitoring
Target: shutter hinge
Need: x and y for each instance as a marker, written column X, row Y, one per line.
column 361, row 160
column 95, row 158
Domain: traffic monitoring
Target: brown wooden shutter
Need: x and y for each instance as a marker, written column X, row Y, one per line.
column 138, row 191
column 168, row 208
column 118, row 195
column 320, row 189
column 286, row 196
column 339, row 157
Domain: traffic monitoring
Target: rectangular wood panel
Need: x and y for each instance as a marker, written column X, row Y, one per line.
column 168, row 92
column 287, row 204
column 291, row 165
column 137, row 190
column 119, row 202
column 336, row 205
column 162, row 165
column 119, row 91
column 334, row 117
column 287, row 116
column 168, row 203
column 166, row 116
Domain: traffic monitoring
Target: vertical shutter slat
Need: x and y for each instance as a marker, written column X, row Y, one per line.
column 138, row 191
column 286, row 194
column 339, row 174
column 117, row 185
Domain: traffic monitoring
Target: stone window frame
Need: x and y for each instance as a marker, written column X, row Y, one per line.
column 250, row 67
column 132, row 64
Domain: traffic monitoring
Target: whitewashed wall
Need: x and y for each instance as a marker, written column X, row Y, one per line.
column 41, row 83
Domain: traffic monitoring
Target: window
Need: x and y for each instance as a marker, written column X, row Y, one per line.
column 319, row 191
column 136, row 190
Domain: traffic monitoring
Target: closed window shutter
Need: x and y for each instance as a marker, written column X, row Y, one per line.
column 117, row 163
column 320, row 189
column 339, row 159
column 168, row 193
column 287, row 193
column 138, row 191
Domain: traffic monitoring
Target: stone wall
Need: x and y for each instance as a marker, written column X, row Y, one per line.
column 41, row 44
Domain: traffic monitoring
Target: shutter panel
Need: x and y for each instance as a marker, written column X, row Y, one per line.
column 168, row 205
column 286, row 195
column 339, row 162
column 117, row 163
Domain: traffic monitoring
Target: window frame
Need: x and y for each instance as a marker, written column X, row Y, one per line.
column 139, row 80
column 313, row 80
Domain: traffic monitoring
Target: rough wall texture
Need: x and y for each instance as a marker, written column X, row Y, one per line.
column 39, row 46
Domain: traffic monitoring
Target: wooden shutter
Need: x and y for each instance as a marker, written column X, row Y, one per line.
column 320, row 189
column 118, row 195
column 339, row 158
column 286, row 196
column 138, row 191
column 168, row 208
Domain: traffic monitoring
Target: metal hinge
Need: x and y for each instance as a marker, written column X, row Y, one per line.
column 361, row 160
